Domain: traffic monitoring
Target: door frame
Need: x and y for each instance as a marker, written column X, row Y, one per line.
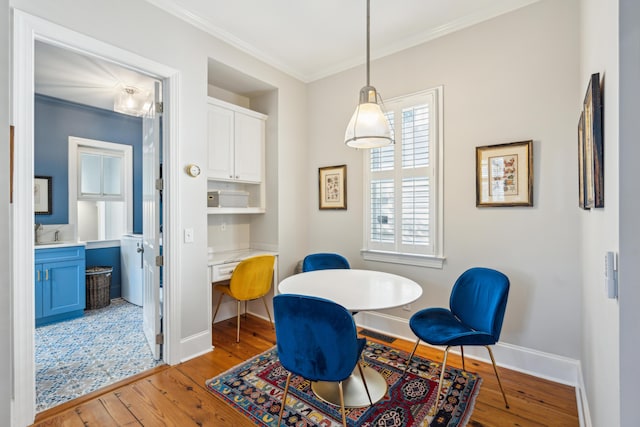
column 26, row 30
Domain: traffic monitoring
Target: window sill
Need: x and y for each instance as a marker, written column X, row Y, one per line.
column 402, row 258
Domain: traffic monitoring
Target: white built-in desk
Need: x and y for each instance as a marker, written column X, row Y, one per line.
column 221, row 264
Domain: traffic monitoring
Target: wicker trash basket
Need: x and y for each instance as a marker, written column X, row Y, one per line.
column 98, row 282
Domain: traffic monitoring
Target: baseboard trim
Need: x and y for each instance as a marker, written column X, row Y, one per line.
column 195, row 345
column 581, row 399
column 533, row 362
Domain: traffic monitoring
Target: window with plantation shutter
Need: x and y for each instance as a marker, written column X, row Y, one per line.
column 403, row 209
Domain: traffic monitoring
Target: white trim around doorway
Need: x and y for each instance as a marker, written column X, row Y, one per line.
column 26, row 30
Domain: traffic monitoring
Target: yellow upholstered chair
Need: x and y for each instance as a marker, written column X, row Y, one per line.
column 251, row 279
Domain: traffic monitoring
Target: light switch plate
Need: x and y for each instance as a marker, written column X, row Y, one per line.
column 188, row 235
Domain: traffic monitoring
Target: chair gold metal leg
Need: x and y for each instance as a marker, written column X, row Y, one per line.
column 284, row 399
column 410, row 357
column 264, row 300
column 344, row 411
column 495, row 369
column 364, row 381
column 217, row 307
column 462, row 353
column 444, row 366
column 238, row 329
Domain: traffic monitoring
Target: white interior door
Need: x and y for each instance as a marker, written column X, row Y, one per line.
column 151, row 235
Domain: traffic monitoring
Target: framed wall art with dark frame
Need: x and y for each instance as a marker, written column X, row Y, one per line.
column 332, row 181
column 504, row 174
column 582, row 189
column 42, row 195
column 591, row 148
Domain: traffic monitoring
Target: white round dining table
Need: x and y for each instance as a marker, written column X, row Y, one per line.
column 356, row 290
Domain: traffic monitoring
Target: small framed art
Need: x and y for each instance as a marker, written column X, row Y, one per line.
column 504, row 174
column 42, row 195
column 591, row 148
column 332, row 182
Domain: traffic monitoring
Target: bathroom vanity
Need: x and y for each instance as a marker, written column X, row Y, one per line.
column 59, row 282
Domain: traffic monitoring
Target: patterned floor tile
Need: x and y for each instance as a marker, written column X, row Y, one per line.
column 79, row 356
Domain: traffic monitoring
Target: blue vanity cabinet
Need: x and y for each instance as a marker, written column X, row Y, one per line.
column 59, row 284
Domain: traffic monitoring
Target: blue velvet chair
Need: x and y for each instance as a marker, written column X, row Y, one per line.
column 324, row 261
column 316, row 339
column 477, row 304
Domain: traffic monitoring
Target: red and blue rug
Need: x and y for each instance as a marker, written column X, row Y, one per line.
column 255, row 389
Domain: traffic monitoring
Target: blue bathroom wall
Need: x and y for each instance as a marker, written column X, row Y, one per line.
column 107, row 257
column 55, row 121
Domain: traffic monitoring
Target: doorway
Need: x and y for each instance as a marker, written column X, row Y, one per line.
column 27, row 30
column 101, row 174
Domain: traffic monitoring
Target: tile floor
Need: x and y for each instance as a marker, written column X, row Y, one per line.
column 79, row 356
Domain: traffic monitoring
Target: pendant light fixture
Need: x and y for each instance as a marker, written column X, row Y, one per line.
column 132, row 101
column 368, row 127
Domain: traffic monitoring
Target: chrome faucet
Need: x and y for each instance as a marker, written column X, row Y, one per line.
column 56, row 235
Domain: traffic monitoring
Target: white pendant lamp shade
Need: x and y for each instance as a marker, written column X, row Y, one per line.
column 368, row 127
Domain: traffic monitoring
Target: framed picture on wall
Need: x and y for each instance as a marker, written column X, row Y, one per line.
column 332, row 181
column 582, row 189
column 590, row 136
column 504, row 174
column 42, row 195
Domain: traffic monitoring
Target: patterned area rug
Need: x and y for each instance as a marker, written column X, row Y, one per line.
column 81, row 355
column 255, row 388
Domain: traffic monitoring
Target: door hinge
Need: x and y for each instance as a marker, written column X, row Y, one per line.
column 159, row 184
column 160, row 339
column 159, row 261
column 159, row 107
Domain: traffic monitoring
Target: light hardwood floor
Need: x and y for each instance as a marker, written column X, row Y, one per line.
column 176, row 396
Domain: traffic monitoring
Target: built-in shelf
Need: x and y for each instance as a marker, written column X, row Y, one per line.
column 214, row 211
column 236, row 141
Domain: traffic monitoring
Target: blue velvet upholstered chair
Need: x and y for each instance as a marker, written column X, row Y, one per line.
column 317, row 340
column 477, row 304
column 324, row 261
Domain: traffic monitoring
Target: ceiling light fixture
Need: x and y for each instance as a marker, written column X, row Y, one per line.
column 368, row 127
column 132, row 101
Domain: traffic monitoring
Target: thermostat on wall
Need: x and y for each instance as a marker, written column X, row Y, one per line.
column 193, row 170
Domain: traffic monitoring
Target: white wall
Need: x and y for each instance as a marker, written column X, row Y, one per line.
column 509, row 79
column 5, row 235
column 599, row 227
column 629, row 268
column 165, row 39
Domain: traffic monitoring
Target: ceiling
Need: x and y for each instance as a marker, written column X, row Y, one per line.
column 308, row 39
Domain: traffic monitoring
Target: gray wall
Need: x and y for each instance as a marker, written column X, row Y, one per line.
column 629, row 16
column 508, row 79
column 5, row 235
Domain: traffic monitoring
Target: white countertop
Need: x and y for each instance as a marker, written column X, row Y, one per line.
column 50, row 245
column 226, row 257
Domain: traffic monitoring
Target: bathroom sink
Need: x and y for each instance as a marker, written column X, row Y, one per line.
column 50, row 243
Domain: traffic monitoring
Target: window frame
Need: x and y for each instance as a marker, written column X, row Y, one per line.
column 435, row 258
column 77, row 145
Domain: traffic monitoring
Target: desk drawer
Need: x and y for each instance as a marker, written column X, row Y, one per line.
column 222, row 271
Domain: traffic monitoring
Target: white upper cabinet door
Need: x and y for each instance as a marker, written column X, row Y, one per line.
column 220, row 142
column 236, row 138
column 249, row 148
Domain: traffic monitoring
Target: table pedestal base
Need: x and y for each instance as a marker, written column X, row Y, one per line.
column 355, row 394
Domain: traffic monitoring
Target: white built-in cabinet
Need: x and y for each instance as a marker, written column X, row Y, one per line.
column 236, row 153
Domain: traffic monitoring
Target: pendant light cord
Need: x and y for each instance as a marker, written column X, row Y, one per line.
column 368, row 32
